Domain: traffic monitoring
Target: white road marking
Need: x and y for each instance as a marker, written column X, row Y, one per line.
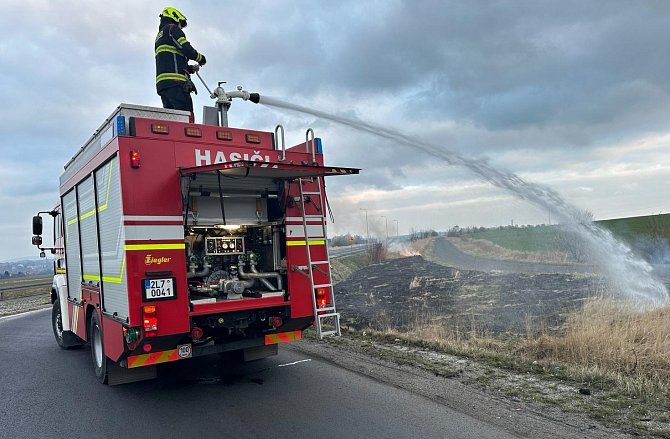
column 14, row 316
column 295, row 362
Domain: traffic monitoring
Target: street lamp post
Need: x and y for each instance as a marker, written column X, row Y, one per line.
column 396, row 228
column 387, row 229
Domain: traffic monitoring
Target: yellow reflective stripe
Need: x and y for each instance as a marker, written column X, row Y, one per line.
column 119, row 279
column 167, row 48
column 311, row 242
column 199, row 58
column 75, row 318
column 182, row 40
column 60, row 270
column 100, row 208
column 132, row 247
column 87, row 214
column 283, row 337
column 109, row 185
column 170, row 76
column 152, row 358
column 110, row 279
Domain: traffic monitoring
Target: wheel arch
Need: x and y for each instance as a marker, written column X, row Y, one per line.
column 90, row 309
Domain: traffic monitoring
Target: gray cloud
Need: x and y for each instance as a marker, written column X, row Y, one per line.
column 553, row 90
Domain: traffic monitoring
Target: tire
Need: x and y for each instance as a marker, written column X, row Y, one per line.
column 65, row 339
column 100, row 361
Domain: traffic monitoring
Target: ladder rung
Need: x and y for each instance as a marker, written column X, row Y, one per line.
column 328, row 333
column 330, row 314
column 320, row 262
column 311, row 193
column 322, row 285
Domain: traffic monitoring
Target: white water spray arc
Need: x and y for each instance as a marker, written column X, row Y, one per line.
column 627, row 274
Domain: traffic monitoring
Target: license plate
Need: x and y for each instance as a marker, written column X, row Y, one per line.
column 159, row 288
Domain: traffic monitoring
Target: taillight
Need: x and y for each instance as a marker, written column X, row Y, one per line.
column 150, row 321
column 196, row 333
column 276, row 321
column 134, row 159
column 322, row 298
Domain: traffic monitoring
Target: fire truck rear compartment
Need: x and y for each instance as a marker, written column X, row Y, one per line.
column 234, row 238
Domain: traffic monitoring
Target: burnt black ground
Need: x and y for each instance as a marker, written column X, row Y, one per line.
column 500, row 297
column 403, row 292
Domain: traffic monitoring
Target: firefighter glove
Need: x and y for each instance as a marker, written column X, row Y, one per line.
column 201, row 59
column 189, row 86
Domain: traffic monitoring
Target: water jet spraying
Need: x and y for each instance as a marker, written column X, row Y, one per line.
column 628, row 275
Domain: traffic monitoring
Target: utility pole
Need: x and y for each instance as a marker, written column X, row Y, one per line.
column 396, row 228
column 387, row 229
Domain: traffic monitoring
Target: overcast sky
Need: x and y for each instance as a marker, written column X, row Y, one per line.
column 570, row 94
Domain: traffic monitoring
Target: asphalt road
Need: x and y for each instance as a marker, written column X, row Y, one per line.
column 48, row 392
column 309, row 390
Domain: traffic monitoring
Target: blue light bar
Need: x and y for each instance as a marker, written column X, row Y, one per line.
column 120, row 126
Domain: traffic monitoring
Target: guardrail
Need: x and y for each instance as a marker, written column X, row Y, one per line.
column 4, row 290
column 336, row 252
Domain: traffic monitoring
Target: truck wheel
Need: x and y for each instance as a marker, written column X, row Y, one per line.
column 97, row 349
column 65, row 339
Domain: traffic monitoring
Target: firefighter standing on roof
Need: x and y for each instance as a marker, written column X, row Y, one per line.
column 173, row 82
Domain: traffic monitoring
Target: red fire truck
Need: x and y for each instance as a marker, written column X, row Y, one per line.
column 174, row 240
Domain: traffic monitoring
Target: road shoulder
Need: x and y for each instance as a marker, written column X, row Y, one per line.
column 455, row 385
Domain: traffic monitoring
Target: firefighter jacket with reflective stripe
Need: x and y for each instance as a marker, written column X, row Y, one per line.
column 172, row 54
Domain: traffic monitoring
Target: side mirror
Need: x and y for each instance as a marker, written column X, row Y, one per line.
column 37, row 225
column 37, row 240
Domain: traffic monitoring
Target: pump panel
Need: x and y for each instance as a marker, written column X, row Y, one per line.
column 224, row 246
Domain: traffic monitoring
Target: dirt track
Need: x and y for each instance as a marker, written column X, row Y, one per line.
column 444, row 251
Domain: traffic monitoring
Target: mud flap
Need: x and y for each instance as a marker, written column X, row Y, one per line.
column 258, row 352
column 120, row 375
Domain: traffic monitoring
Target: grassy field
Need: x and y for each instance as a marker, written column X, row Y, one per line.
column 16, row 287
column 654, row 226
column 529, row 239
column 544, row 238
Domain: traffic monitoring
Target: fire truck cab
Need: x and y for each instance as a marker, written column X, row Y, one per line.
column 174, row 239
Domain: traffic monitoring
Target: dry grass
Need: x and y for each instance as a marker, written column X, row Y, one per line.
column 607, row 338
column 604, row 344
column 485, row 248
column 420, row 245
column 16, row 287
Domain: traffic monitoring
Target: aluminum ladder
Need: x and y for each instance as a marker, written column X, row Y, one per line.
column 328, row 311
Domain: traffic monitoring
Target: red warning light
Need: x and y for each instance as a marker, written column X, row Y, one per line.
column 224, row 135
column 193, row 132
column 134, row 159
